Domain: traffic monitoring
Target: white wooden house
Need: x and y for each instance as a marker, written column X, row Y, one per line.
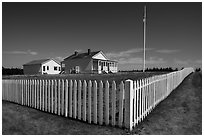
column 43, row 66
column 89, row 62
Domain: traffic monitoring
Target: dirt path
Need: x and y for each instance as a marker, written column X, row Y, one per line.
column 180, row 113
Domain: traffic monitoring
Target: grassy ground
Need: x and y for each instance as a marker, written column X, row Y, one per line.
column 110, row 77
column 180, row 113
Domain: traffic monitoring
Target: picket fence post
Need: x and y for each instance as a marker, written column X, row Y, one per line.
column 49, row 95
column 66, row 98
column 100, row 102
column 135, row 100
column 138, row 99
column 75, row 99
column 79, row 100
column 89, row 101
column 46, row 95
column 38, row 89
column 70, row 98
column 52, row 96
column 106, row 102
column 121, row 99
column 129, row 104
column 55, row 94
column 113, row 101
column 62, row 100
column 95, row 101
column 59, row 90
column 84, row 99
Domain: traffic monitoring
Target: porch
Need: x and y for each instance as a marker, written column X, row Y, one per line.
column 107, row 66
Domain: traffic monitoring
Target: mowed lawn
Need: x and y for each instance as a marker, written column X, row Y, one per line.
column 121, row 76
column 180, row 113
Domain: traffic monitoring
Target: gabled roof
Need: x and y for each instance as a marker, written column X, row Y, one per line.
column 82, row 55
column 39, row 62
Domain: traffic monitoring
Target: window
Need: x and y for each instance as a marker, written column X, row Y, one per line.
column 47, row 67
column 55, row 68
column 43, row 68
column 59, row 68
column 77, row 69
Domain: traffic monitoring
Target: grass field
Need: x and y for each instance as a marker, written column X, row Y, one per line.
column 110, row 77
column 180, row 113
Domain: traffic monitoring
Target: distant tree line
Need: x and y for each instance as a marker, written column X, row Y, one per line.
column 19, row 71
column 168, row 69
column 12, row 71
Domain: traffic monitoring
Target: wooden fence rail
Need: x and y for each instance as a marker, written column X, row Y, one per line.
column 123, row 105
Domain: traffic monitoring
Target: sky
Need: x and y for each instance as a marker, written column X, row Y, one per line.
column 33, row 31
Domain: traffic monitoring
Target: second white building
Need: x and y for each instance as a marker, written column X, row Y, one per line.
column 43, row 66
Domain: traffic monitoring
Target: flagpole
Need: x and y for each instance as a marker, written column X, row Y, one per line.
column 144, row 37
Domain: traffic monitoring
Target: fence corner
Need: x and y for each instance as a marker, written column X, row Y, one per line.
column 128, row 121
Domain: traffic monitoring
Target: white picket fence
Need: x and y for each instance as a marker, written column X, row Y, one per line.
column 124, row 104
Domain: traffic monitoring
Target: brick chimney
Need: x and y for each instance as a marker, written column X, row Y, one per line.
column 89, row 51
column 75, row 53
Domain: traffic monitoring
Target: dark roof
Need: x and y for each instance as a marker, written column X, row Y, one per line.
column 41, row 61
column 82, row 55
